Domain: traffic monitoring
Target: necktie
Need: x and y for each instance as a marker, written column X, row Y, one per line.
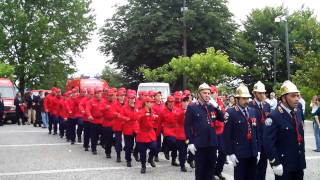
column 295, row 121
column 249, row 135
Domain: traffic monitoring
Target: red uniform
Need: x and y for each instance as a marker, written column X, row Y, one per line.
column 157, row 109
column 82, row 108
column 168, row 122
column 117, row 121
column 130, row 124
column 108, row 114
column 63, row 111
column 71, row 105
column 220, row 125
column 47, row 102
column 180, row 133
column 146, row 133
column 55, row 100
column 139, row 103
column 95, row 109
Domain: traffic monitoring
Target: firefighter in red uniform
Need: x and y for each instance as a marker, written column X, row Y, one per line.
column 72, row 121
column 157, row 108
column 107, row 135
column 94, row 110
column 177, row 99
column 86, row 123
column 63, row 112
column 168, row 124
column 79, row 114
column 146, row 136
column 49, row 108
column 118, row 123
column 180, row 133
column 130, row 127
column 59, row 117
column 219, row 127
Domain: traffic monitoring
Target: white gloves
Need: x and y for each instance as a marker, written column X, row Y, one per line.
column 233, row 159
column 258, row 157
column 278, row 170
column 214, row 103
column 192, row 149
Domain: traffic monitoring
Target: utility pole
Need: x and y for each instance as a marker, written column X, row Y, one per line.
column 184, row 47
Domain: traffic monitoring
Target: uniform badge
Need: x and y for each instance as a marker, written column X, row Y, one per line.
column 226, row 117
column 268, row 122
column 254, row 121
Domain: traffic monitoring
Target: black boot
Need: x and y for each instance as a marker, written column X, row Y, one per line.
column 174, row 163
column 151, row 162
column 220, row 177
column 118, row 158
column 143, row 169
column 136, row 157
column 129, row 164
column 72, row 142
column 191, row 163
column 183, row 169
column 108, row 156
column 94, row 152
column 79, row 140
column 156, row 158
column 86, row 149
column 166, row 155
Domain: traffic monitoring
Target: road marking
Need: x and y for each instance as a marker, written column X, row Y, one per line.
column 30, row 145
column 312, row 157
column 15, row 131
column 55, row 171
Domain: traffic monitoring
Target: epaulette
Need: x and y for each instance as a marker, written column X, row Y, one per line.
column 280, row 109
column 236, row 108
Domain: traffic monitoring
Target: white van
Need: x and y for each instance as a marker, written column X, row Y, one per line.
column 155, row 86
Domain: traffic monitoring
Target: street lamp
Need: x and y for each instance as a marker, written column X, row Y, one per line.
column 285, row 19
column 275, row 44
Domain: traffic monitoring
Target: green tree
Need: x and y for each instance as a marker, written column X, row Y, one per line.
column 150, row 33
column 213, row 67
column 113, row 78
column 254, row 52
column 39, row 38
column 6, row 70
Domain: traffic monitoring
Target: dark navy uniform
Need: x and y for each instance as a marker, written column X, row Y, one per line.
column 284, row 142
column 241, row 139
column 199, row 128
column 263, row 110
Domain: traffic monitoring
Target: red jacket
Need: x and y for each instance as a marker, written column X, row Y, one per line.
column 220, row 125
column 157, row 109
column 117, row 121
column 47, row 102
column 146, row 133
column 180, row 133
column 82, row 108
column 168, row 122
column 78, row 113
column 55, row 100
column 71, row 105
column 94, row 109
column 63, row 111
column 130, row 124
column 139, row 103
column 108, row 113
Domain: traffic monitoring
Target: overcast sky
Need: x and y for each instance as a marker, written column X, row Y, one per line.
column 91, row 61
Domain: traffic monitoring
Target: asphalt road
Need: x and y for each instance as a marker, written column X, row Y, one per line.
column 27, row 153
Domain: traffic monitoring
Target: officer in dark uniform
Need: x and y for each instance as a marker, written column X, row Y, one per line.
column 200, row 133
column 240, row 136
column 1, row 110
column 283, row 138
column 263, row 110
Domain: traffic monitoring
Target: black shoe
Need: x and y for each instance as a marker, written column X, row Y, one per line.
column 156, row 159
column 191, row 163
column 79, row 140
column 220, row 177
column 86, row 149
column 118, row 159
column 174, row 163
column 166, row 155
column 316, row 150
column 108, row 156
column 61, row 136
column 151, row 162
column 183, row 169
column 136, row 157
column 143, row 169
column 49, row 132
column 72, row 142
column 55, row 133
column 94, row 152
column 129, row 164
column 68, row 140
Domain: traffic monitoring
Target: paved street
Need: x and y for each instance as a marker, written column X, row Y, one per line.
column 30, row 153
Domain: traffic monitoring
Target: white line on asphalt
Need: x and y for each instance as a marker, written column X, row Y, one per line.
column 29, row 145
column 14, row 131
column 312, row 157
column 68, row 170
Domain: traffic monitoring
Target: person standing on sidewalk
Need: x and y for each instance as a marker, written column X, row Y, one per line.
column 316, row 122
